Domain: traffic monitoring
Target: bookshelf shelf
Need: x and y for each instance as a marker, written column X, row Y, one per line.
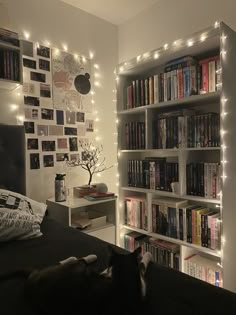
column 176, row 241
column 199, row 165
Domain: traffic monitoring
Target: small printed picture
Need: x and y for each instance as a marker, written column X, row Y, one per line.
column 44, row 64
column 43, row 51
column 31, row 100
column 29, row 126
column 37, row 76
column 81, row 130
column 73, row 144
column 34, row 161
column 31, row 113
column 60, row 157
column 27, row 48
column 55, row 130
column 48, row 145
column 89, row 125
column 35, row 113
column 29, row 63
column 28, row 88
column 62, row 143
column 45, row 90
column 80, row 117
column 84, row 156
column 32, row 144
column 70, row 131
column 47, row 113
column 70, row 117
column 60, row 117
column 46, row 102
column 42, row 130
column 48, row 161
column 74, row 157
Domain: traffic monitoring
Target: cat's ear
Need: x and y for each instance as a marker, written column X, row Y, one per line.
column 137, row 251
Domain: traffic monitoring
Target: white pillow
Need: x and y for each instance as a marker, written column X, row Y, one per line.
column 18, row 225
column 14, row 201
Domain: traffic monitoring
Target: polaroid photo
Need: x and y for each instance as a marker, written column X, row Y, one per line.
column 69, row 131
column 49, row 145
column 29, row 63
column 27, row 48
column 46, row 102
column 48, row 161
column 61, row 157
column 54, row 130
column 70, row 117
column 42, row 130
column 37, row 76
column 45, row 90
column 31, row 113
column 80, row 117
column 28, row 88
column 62, row 143
column 35, row 114
column 89, row 125
column 43, row 51
column 29, row 126
column 32, row 144
column 44, row 64
column 34, row 161
column 31, row 100
column 81, row 130
column 47, row 113
column 74, row 157
column 73, row 144
column 60, row 117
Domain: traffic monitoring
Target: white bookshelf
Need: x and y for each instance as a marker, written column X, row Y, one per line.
column 219, row 40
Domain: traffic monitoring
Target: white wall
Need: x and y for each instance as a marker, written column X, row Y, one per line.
column 169, row 20
column 60, row 23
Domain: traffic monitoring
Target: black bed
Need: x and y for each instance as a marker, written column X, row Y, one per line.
column 168, row 291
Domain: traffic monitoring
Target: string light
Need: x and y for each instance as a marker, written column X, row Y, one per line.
column 190, row 43
column 14, row 107
column 96, row 66
column 91, row 55
column 156, row 55
column 26, row 35
column 65, row 47
column 216, row 24
column 203, row 37
column 165, row 46
column 138, row 58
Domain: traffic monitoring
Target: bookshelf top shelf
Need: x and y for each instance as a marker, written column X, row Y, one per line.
column 193, row 99
column 8, row 46
column 194, row 45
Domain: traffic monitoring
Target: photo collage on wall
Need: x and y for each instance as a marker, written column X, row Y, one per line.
column 57, row 104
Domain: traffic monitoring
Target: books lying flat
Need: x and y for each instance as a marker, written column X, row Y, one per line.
column 100, row 196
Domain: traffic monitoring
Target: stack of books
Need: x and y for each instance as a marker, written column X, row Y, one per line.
column 82, row 191
column 99, row 196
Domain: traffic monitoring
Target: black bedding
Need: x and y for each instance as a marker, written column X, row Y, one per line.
column 168, row 291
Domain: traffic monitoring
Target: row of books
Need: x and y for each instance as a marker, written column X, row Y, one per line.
column 194, row 224
column 164, row 253
column 136, row 212
column 203, row 179
column 9, row 37
column 135, row 135
column 9, row 65
column 179, row 130
column 181, row 78
column 152, row 173
column 204, row 269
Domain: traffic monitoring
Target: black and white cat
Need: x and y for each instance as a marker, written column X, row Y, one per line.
column 73, row 288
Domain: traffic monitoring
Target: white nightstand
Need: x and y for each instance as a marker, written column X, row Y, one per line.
column 64, row 212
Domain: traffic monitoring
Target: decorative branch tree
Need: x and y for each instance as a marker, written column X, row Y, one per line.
column 90, row 160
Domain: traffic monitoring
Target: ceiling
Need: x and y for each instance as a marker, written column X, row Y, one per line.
column 113, row 11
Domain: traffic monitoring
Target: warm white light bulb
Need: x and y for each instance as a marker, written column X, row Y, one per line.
column 190, row 43
column 121, row 69
column 26, row 35
column 91, row 55
column 156, row 55
column 76, row 56
column 96, row 83
column 96, row 66
column 203, row 38
column 217, row 24
column 165, row 46
column 138, row 58
column 84, row 59
column 65, row 47
column 14, row 107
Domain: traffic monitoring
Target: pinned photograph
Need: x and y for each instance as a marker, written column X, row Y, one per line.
column 42, row 130
column 74, row 157
column 37, row 76
column 55, row 130
column 60, row 117
column 27, row 48
column 35, row 113
column 45, row 90
column 80, row 117
column 28, row 88
column 47, row 113
column 73, row 144
column 34, row 161
column 81, row 130
column 46, row 102
column 44, row 65
column 69, row 131
column 70, row 117
column 43, row 51
column 48, row 161
column 89, row 125
column 62, row 143
column 29, row 126
column 31, row 113
column 31, row 100
column 48, row 145
column 61, row 157
column 32, row 144
column 29, row 63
